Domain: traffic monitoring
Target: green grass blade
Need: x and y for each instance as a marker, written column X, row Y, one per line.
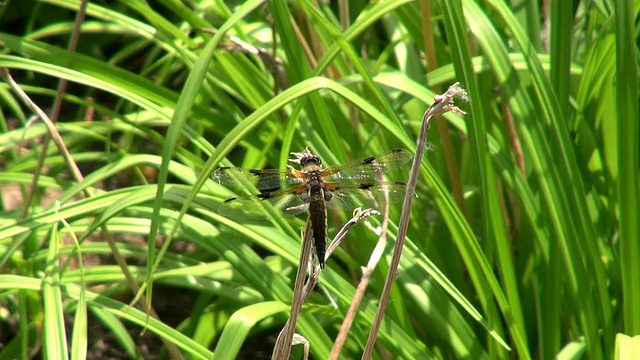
column 627, row 95
column 55, row 335
column 240, row 324
column 494, row 227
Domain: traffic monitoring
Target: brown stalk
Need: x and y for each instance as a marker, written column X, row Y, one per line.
column 443, row 126
column 442, row 104
column 282, row 348
column 364, row 282
column 57, row 105
column 517, row 152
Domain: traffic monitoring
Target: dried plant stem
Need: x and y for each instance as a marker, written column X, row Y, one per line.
column 57, row 105
column 351, row 313
column 443, row 103
column 282, row 348
column 358, row 215
column 375, row 257
column 442, row 125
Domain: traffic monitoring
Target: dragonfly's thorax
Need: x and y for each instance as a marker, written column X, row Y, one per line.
column 315, row 184
column 312, row 166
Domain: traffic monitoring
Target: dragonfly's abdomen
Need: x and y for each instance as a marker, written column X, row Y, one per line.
column 317, row 213
column 318, row 218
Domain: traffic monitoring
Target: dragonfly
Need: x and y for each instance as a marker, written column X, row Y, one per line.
column 312, row 189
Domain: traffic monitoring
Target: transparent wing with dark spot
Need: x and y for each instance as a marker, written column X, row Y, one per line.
column 263, row 180
column 257, row 207
column 368, row 169
column 347, row 198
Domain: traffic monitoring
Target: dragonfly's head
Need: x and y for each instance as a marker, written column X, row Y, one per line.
column 305, row 158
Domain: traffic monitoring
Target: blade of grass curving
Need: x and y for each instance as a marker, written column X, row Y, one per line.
column 82, row 69
column 240, row 324
column 628, row 146
column 140, row 318
column 119, row 331
column 295, row 92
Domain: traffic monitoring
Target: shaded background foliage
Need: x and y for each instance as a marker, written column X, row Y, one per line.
column 526, row 221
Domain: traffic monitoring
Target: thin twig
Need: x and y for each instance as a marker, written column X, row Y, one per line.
column 442, row 104
column 442, row 125
column 358, row 215
column 57, row 105
column 375, row 257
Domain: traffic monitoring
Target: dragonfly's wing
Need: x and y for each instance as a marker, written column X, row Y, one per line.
column 263, row 180
column 257, row 207
column 369, row 168
column 346, row 186
column 369, row 195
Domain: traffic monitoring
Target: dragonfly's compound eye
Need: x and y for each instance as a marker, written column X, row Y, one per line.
column 310, row 160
